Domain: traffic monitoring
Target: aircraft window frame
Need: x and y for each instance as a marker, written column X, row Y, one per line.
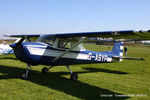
column 46, row 39
column 64, row 44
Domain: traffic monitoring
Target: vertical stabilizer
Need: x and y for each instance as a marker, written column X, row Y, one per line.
column 118, row 49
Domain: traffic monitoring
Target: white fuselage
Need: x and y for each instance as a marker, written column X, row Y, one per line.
column 4, row 49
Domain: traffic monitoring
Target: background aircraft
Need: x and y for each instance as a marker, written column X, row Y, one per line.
column 66, row 49
column 6, row 49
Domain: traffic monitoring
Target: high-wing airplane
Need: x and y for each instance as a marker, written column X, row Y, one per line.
column 67, row 49
column 6, row 49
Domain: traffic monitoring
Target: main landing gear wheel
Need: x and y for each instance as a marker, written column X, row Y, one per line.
column 74, row 76
column 44, row 70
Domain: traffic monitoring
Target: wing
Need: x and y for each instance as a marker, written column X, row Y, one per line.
column 130, row 34
column 31, row 37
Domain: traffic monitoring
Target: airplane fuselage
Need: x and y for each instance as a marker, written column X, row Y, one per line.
column 42, row 54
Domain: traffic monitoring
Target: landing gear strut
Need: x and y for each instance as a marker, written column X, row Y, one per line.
column 25, row 75
column 45, row 69
column 73, row 76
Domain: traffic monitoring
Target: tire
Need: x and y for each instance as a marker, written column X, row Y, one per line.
column 74, row 76
column 24, row 76
column 44, row 70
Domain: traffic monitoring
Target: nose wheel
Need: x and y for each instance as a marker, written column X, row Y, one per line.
column 25, row 75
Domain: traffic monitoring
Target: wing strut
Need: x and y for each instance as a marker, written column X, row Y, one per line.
column 75, row 45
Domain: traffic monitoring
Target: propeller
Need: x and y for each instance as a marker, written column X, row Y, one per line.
column 16, row 45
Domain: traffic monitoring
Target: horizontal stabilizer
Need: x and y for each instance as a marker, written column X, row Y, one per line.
column 128, row 58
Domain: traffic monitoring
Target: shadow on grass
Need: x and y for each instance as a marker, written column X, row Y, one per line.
column 54, row 80
column 105, row 70
column 9, row 58
column 6, row 57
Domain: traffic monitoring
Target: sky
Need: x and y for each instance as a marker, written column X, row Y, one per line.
column 60, row 16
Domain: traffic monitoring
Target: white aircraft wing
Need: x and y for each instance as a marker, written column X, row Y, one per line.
column 27, row 36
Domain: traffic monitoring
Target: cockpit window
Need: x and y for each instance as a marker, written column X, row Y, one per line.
column 60, row 43
column 46, row 39
column 64, row 44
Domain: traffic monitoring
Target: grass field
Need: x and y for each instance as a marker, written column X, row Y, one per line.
column 130, row 78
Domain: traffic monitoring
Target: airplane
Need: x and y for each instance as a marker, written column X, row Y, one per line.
column 67, row 49
column 6, row 49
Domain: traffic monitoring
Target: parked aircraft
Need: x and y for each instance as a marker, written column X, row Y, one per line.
column 6, row 49
column 67, row 49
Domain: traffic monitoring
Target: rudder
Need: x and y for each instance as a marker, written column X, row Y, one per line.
column 118, row 49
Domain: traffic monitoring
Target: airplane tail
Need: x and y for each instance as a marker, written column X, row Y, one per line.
column 118, row 49
column 117, row 53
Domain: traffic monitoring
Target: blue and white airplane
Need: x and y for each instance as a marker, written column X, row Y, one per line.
column 6, row 49
column 67, row 49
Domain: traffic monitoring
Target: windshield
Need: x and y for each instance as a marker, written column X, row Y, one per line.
column 46, row 39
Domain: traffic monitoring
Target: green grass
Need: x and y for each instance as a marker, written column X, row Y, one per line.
column 130, row 77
